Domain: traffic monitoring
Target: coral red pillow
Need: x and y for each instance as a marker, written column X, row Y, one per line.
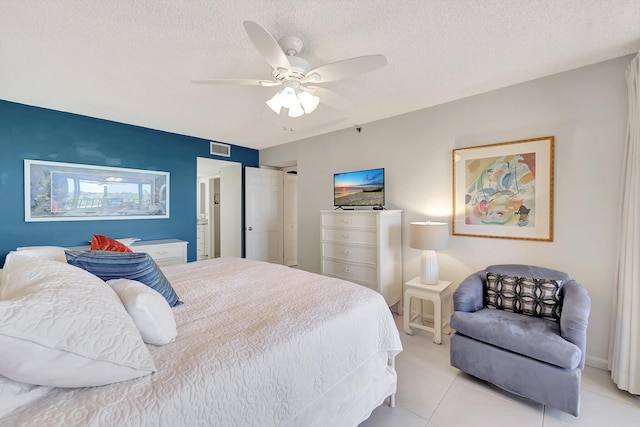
column 104, row 243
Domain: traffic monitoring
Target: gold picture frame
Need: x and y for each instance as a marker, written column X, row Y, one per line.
column 504, row 190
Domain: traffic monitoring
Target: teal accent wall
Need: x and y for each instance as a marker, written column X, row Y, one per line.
column 40, row 134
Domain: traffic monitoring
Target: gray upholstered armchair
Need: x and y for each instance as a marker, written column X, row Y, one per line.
column 524, row 329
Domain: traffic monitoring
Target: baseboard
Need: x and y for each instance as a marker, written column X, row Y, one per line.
column 596, row 362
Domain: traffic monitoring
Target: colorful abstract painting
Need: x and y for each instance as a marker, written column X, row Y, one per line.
column 501, row 190
column 504, row 190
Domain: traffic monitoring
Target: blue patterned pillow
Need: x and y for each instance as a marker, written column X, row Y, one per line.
column 109, row 265
column 524, row 295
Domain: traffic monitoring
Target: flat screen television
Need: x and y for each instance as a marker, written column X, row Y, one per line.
column 359, row 188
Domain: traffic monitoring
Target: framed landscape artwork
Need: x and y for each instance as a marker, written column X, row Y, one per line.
column 73, row 192
column 504, row 190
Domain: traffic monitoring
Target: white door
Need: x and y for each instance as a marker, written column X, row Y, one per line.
column 202, row 243
column 290, row 220
column 263, row 215
column 214, row 217
column 231, row 210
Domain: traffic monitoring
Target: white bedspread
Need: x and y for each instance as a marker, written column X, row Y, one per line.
column 257, row 345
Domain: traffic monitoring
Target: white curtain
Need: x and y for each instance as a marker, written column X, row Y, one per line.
column 624, row 348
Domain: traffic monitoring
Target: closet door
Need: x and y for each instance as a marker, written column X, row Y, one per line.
column 290, row 220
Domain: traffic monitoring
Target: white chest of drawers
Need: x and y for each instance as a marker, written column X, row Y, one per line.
column 364, row 247
column 201, row 251
column 164, row 252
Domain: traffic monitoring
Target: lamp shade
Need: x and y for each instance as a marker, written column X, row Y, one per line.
column 296, row 110
column 275, row 103
column 429, row 235
column 289, row 98
column 309, row 102
column 298, row 102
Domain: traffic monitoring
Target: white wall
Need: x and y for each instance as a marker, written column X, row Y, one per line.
column 585, row 109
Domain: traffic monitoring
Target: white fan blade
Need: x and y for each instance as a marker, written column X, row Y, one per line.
column 346, row 68
column 237, row 82
column 267, row 46
column 332, row 99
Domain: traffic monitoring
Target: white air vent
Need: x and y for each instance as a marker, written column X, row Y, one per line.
column 220, row 149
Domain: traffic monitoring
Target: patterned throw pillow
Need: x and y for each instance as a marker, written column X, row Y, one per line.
column 524, row 295
column 104, row 243
column 118, row 265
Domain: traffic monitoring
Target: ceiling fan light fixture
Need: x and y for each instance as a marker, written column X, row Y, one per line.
column 275, row 103
column 296, row 110
column 292, row 72
column 295, row 98
column 288, row 97
column 309, row 102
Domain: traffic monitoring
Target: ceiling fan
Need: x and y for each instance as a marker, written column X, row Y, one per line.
column 296, row 76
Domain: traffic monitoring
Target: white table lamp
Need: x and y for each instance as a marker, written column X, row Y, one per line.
column 430, row 237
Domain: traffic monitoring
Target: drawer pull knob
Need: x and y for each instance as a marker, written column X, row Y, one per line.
column 346, row 220
column 346, row 252
column 347, row 270
column 346, row 235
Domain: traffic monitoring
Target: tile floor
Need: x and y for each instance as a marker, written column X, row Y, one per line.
column 431, row 393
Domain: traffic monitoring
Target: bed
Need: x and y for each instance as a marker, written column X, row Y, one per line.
column 257, row 344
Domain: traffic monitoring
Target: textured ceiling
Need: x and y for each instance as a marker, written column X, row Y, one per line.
column 133, row 61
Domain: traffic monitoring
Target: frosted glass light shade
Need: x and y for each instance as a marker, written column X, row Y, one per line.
column 296, row 109
column 309, row 102
column 298, row 102
column 288, row 97
column 275, row 103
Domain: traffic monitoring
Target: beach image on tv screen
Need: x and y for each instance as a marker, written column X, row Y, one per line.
column 360, row 188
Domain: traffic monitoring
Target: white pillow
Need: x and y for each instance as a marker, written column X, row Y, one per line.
column 149, row 310
column 54, row 253
column 128, row 241
column 61, row 326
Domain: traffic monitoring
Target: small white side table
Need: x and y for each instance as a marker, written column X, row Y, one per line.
column 437, row 294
